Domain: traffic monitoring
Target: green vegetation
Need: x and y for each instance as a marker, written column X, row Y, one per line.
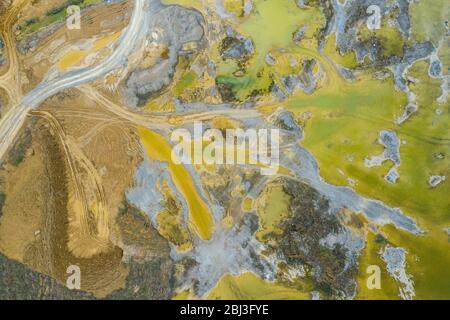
column 52, row 16
column 427, row 20
column 390, row 39
column 270, row 29
column 371, row 256
column 346, row 120
column 250, row 286
column 185, row 82
column 346, row 124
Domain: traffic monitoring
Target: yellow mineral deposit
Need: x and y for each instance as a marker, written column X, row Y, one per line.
column 75, row 57
column 200, row 217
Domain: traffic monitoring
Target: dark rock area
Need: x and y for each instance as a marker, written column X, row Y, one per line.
column 177, row 26
column 332, row 269
column 19, row 282
column 236, row 47
column 18, row 151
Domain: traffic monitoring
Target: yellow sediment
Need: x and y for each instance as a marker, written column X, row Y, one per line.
column 183, row 295
column 247, row 204
column 227, row 222
column 246, row 286
column 200, row 217
column 223, row 122
column 74, row 57
column 103, row 42
column 70, row 59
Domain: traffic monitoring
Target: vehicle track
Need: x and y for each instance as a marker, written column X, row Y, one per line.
column 95, row 230
column 163, row 121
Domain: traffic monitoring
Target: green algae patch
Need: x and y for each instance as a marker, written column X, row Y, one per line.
column 390, row 39
column 187, row 81
column 247, row 86
column 427, row 20
column 428, row 260
column 232, row 81
column 250, row 286
column 273, row 24
column 345, row 125
column 344, row 130
column 273, row 208
column 347, row 60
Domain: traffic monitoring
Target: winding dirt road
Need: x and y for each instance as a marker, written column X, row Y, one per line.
column 10, row 80
column 13, row 120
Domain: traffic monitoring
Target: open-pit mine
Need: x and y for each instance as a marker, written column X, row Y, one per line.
column 347, row 199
